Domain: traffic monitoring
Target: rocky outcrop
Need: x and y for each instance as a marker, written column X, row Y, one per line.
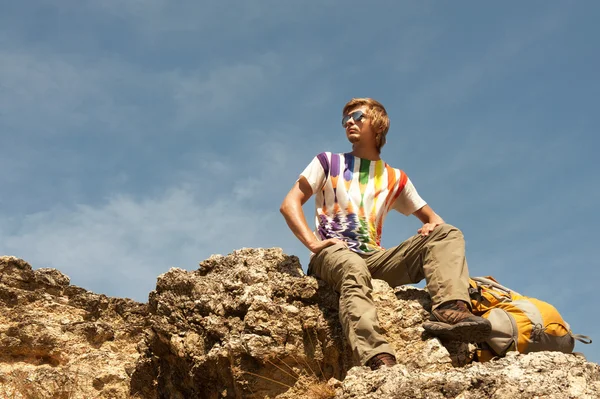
column 246, row 325
column 61, row 341
column 250, row 324
column 534, row 376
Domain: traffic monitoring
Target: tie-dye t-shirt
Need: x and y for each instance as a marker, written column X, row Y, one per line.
column 353, row 196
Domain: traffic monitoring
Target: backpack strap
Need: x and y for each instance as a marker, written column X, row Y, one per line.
column 492, row 283
column 582, row 338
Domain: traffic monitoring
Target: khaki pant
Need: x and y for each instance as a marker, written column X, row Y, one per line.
column 438, row 258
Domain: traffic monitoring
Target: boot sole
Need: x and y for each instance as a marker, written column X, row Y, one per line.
column 463, row 332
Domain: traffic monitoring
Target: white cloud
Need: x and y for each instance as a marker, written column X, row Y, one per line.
column 120, row 246
column 127, row 243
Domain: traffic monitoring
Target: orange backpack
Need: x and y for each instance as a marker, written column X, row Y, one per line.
column 518, row 322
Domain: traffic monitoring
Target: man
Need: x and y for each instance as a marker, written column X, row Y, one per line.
column 354, row 191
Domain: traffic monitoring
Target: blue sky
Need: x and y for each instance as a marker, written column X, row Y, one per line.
column 144, row 134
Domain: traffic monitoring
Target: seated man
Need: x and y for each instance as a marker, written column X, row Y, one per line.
column 354, row 191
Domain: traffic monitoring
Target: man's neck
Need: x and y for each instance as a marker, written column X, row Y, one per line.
column 366, row 153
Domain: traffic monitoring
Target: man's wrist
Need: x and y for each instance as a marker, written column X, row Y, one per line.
column 312, row 245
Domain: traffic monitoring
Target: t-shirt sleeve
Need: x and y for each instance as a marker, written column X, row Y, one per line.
column 409, row 200
column 315, row 172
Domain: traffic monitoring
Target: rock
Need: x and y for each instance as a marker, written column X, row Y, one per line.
column 246, row 325
column 535, row 375
column 60, row 341
column 260, row 326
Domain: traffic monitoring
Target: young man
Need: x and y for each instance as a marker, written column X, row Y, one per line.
column 354, row 191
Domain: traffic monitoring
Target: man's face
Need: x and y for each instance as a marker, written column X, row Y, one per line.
column 360, row 129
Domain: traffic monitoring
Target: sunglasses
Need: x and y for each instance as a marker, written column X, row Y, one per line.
column 356, row 116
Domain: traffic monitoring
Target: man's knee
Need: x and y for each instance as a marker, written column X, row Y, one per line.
column 354, row 268
column 447, row 230
column 354, row 273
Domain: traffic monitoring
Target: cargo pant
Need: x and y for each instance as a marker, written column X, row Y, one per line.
column 439, row 258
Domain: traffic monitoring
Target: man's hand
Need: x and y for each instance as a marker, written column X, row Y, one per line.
column 317, row 246
column 427, row 228
column 429, row 218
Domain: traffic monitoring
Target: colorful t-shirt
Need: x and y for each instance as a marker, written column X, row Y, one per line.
column 354, row 195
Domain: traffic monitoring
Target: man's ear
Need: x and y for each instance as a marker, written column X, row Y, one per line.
column 380, row 138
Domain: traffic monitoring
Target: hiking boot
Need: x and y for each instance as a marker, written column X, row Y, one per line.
column 455, row 322
column 380, row 360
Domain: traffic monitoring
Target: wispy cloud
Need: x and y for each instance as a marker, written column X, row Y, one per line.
column 121, row 246
column 202, row 95
column 49, row 95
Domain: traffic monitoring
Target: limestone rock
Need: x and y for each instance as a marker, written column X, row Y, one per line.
column 246, row 325
column 251, row 324
column 243, row 325
column 61, row 341
column 533, row 376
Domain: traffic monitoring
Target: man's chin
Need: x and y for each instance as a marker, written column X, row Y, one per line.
column 353, row 138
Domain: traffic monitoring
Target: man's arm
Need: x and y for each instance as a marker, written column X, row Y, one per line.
column 291, row 208
column 429, row 218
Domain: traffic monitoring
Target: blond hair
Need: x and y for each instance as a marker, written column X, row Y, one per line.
column 379, row 117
